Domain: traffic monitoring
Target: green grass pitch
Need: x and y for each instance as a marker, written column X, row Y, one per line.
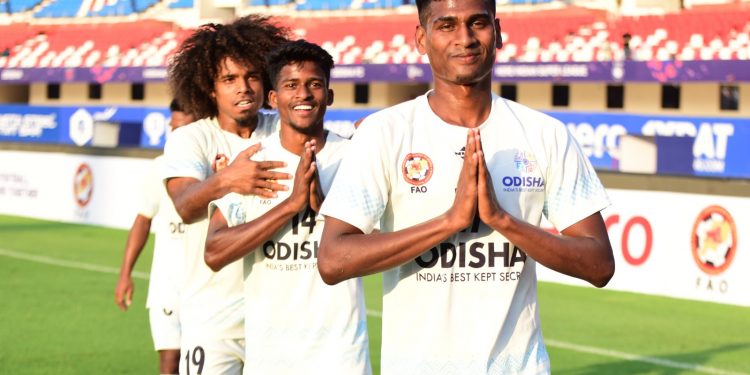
column 58, row 316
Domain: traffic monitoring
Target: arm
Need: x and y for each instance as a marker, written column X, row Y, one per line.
column 244, row 176
column 582, row 251
column 225, row 244
column 137, row 238
column 345, row 252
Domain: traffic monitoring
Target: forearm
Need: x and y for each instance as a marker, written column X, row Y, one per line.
column 343, row 256
column 586, row 255
column 137, row 238
column 191, row 196
column 228, row 244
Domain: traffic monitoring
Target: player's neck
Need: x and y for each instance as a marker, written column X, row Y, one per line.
column 462, row 105
column 243, row 129
column 293, row 140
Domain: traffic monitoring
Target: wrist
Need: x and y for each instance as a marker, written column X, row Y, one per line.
column 289, row 207
column 450, row 224
column 223, row 185
column 500, row 221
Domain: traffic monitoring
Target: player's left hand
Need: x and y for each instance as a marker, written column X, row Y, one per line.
column 124, row 292
column 490, row 211
column 316, row 193
column 303, row 177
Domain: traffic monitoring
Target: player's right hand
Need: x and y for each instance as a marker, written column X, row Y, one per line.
column 461, row 213
column 124, row 292
column 303, row 178
column 249, row 177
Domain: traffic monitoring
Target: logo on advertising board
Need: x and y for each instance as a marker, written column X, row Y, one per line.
column 714, row 240
column 417, row 169
column 83, row 185
column 710, row 145
column 155, row 126
column 81, row 129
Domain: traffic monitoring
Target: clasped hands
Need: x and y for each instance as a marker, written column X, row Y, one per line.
column 475, row 194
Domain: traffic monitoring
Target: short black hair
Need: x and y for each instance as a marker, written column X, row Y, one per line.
column 422, row 6
column 174, row 106
column 298, row 51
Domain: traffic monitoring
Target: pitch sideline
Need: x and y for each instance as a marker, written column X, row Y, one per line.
column 378, row 314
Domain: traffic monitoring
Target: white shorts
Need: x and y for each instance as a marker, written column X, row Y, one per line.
column 165, row 328
column 212, row 356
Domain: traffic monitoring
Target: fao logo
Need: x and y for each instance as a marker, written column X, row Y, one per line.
column 83, row 185
column 417, row 169
column 714, row 240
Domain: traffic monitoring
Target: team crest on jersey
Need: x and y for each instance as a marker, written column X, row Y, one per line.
column 417, row 169
column 525, row 162
column 714, row 240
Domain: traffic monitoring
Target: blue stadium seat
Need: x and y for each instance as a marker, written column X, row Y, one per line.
column 17, row 6
column 380, row 4
column 142, row 5
column 269, row 2
column 324, row 4
column 123, row 8
column 59, row 9
column 120, row 8
column 179, row 4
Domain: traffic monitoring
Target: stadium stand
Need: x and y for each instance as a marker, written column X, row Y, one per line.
column 268, row 3
column 18, row 6
column 178, row 4
column 569, row 34
column 60, row 9
column 143, row 43
column 103, row 8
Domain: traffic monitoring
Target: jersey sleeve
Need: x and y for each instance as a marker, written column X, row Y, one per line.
column 232, row 206
column 359, row 193
column 151, row 192
column 184, row 156
column 574, row 191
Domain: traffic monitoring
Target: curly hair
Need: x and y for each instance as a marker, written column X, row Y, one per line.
column 197, row 63
column 297, row 51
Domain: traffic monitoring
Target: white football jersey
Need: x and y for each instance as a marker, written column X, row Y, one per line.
column 211, row 303
column 295, row 323
column 469, row 304
column 164, row 281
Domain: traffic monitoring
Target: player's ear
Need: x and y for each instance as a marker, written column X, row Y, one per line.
column 273, row 99
column 330, row 97
column 419, row 39
column 499, row 35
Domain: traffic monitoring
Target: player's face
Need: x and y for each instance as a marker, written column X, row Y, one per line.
column 178, row 119
column 238, row 91
column 301, row 97
column 460, row 38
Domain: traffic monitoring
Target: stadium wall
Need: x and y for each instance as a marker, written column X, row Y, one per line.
column 696, row 98
column 676, row 245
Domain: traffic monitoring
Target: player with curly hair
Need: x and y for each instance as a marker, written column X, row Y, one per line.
column 332, row 337
column 219, row 76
